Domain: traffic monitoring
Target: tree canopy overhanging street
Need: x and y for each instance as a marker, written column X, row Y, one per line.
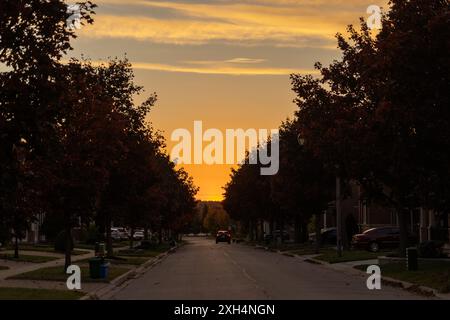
column 363, row 162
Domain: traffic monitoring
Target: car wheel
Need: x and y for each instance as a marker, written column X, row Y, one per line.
column 374, row 247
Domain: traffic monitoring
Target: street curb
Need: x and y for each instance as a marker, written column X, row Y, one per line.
column 129, row 275
column 407, row 286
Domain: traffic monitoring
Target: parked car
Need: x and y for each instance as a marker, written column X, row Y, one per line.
column 138, row 235
column 277, row 234
column 115, row 234
column 119, row 234
column 376, row 238
column 124, row 234
column 223, row 236
column 328, row 236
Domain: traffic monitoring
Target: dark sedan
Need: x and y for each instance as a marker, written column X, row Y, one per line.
column 376, row 238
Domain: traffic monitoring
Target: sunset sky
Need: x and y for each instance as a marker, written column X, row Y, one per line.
column 224, row 62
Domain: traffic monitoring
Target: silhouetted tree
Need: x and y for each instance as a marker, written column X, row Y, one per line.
column 381, row 112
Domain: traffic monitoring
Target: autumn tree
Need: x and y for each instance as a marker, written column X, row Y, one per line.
column 33, row 38
column 302, row 186
column 380, row 114
column 216, row 218
column 247, row 197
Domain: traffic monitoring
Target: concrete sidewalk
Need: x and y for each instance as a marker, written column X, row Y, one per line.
column 349, row 268
column 17, row 268
column 27, row 267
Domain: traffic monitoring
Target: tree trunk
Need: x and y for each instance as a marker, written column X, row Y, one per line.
column 250, row 230
column 16, row 247
column 68, row 253
column 297, row 229
column 282, row 231
column 131, row 238
column 317, row 227
column 403, row 227
column 160, row 235
column 305, row 232
column 109, row 242
column 261, row 226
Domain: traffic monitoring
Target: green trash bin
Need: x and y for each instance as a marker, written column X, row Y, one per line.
column 412, row 259
column 95, row 268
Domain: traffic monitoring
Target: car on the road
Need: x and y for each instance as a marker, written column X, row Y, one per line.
column 223, row 236
column 377, row 238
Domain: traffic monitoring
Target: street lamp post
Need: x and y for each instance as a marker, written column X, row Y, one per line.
column 338, row 214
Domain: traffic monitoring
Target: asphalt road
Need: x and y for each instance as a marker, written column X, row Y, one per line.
column 205, row 271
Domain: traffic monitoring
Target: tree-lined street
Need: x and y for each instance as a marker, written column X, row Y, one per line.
column 203, row 270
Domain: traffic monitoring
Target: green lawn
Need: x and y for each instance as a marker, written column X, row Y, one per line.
column 310, row 250
column 130, row 260
column 294, row 248
column 38, row 294
column 144, row 253
column 31, row 247
column 44, row 248
column 92, row 247
column 121, row 244
column 27, row 258
column 354, row 255
column 432, row 274
column 57, row 274
column 79, row 252
column 122, row 260
column 84, row 246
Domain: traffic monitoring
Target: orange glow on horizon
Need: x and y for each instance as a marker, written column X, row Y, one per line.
column 224, row 62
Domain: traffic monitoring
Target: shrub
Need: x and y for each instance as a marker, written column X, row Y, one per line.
column 431, row 249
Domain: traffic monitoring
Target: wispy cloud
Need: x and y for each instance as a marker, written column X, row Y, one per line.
column 233, row 61
column 220, row 69
column 213, row 68
column 281, row 23
column 245, row 60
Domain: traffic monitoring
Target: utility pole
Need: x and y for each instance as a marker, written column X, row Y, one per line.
column 338, row 215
